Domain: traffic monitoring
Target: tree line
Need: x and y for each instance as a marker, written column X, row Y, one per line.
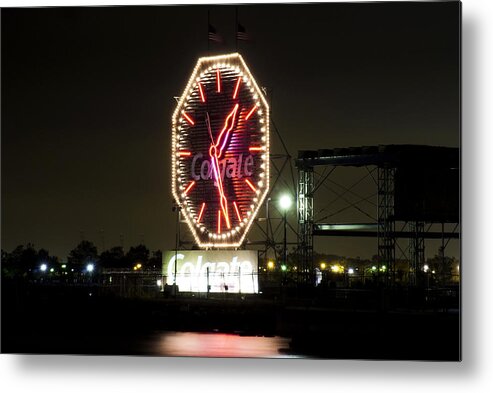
column 26, row 259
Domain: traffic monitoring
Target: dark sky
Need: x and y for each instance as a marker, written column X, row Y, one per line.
column 87, row 97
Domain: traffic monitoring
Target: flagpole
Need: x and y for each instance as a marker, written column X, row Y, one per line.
column 208, row 40
column 236, row 27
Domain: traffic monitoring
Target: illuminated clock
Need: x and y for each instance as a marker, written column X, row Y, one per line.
column 220, row 151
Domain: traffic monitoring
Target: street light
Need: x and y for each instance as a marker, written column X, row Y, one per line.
column 285, row 203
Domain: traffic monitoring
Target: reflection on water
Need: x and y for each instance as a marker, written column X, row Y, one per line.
column 221, row 345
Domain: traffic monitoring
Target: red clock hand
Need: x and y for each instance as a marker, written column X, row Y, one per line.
column 215, row 152
column 208, row 122
column 228, row 127
column 222, row 197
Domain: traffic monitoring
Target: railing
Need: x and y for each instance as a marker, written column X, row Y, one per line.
column 342, row 291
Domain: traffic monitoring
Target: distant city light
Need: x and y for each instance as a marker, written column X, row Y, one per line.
column 283, row 268
column 337, row 268
column 90, row 267
column 433, row 272
column 350, row 270
column 270, row 265
column 159, row 283
column 373, row 268
column 52, row 270
column 43, row 267
column 323, row 265
column 64, row 266
column 426, row 268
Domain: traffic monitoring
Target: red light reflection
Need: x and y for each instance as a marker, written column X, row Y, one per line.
column 221, row 345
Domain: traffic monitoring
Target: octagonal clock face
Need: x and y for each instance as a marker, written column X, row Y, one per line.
column 220, row 151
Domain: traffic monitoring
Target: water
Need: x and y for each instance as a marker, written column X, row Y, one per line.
column 218, row 345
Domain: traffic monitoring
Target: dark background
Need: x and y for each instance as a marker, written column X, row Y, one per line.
column 87, row 97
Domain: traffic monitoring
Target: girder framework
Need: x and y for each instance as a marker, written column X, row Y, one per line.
column 420, row 201
column 386, row 222
column 305, row 221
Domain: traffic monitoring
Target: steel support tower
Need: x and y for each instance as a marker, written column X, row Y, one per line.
column 416, row 251
column 305, row 221
column 386, row 223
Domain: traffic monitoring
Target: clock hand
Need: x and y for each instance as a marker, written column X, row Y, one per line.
column 228, row 127
column 215, row 166
column 215, row 155
column 217, row 176
column 208, row 122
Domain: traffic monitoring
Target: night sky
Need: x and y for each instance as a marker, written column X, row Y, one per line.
column 87, row 98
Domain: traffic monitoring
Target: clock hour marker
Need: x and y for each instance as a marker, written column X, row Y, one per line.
column 202, row 96
column 184, row 154
column 219, row 221
column 255, row 148
column 250, row 185
column 201, row 212
column 218, row 80
column 236, row 88
column 251, row 112
column 189, row 187
column 237, row 211
column 189, row 119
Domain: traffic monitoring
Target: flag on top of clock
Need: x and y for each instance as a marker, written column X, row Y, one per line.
column 213, row 36
column 241, row 34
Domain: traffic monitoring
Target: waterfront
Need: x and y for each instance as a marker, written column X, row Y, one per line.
column 336, row 324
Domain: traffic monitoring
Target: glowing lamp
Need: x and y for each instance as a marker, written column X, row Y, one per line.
column 285, row 202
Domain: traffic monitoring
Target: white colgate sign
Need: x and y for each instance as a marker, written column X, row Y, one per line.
column 222, row 271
